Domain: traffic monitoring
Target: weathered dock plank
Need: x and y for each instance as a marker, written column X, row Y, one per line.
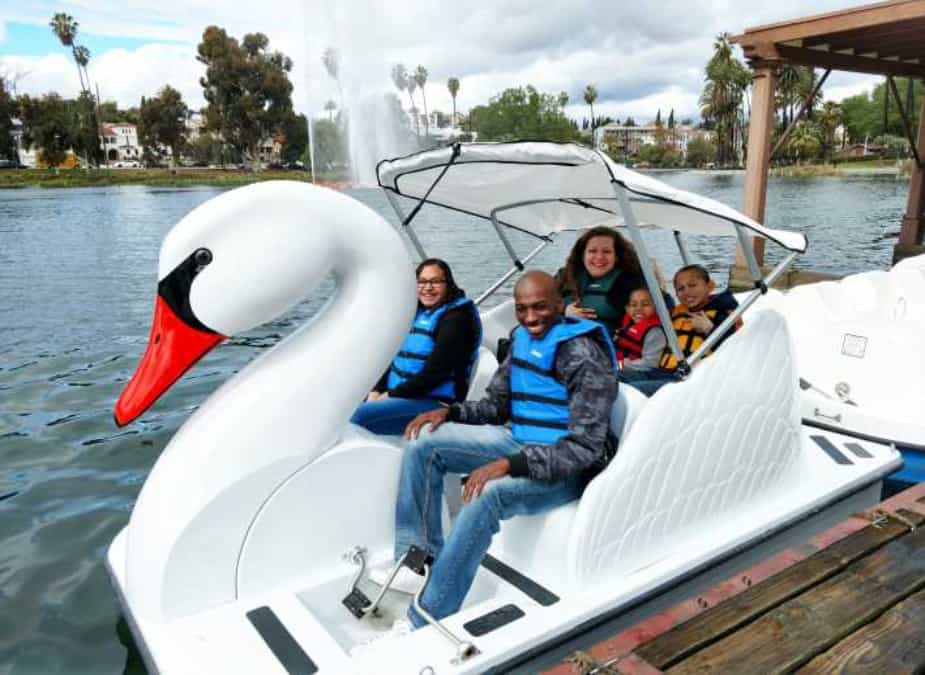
column 685, row 639
column 894, row 643
column 797, row 630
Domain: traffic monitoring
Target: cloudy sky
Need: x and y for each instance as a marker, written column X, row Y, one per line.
column 641, row 56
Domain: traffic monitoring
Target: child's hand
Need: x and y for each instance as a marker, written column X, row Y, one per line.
column 701, row 322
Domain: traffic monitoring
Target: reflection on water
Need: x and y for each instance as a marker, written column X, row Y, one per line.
column 78, row 270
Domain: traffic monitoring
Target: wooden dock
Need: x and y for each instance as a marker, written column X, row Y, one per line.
column 851, row 600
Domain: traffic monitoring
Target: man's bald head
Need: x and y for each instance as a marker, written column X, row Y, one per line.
column 537, row 302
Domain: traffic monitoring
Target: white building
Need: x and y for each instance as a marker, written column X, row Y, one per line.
column 120, row 142
column 628, row 140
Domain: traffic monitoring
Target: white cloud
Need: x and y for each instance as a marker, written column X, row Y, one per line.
column 641, row 57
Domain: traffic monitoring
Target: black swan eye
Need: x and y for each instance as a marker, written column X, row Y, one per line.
column 203, row 257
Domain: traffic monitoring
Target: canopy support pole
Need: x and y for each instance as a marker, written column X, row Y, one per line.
column 746, row 246
column 682, row 248
column 749, row 300
column 406, row 224
column 518, row 264
column 664, row 316
column 514, row 270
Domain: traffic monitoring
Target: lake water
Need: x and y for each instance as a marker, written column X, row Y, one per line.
column 77, row 283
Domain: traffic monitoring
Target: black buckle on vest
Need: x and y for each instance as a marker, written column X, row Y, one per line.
column 683, row 369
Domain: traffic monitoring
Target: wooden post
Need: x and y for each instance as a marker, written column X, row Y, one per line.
column 760, row 126
column 913, row 226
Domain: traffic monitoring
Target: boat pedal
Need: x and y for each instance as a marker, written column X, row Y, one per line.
column 415, row 559
column 356, row 602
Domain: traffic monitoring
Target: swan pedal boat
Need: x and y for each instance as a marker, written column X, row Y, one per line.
column 858, row 348
column 243, row 541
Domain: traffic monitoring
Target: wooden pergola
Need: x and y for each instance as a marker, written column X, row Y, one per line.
column 887, row 38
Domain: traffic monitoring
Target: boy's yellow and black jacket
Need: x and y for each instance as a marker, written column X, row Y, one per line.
column 717, row 309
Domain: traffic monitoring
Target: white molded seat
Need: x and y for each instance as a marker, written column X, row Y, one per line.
column 497, row 323
column 482, row 370
column 533, row 544
column 699, row 450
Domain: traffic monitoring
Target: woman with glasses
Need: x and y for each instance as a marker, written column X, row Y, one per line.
column 434, row 363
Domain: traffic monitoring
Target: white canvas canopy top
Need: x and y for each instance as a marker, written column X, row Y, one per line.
column 542, row 188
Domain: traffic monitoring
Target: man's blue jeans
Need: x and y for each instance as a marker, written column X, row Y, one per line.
column 391, row 416
column 461, row 448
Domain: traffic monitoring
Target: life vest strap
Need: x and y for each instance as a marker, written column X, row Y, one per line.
column 531, row 422
column 536, row 398
column 526, row 365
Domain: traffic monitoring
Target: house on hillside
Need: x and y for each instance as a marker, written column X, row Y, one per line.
column 628, row 140
column 120, row 142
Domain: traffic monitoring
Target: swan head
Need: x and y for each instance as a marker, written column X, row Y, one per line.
column 233, row 263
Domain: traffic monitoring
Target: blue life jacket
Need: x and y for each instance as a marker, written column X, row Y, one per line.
column 539, row 402
column 418, row 345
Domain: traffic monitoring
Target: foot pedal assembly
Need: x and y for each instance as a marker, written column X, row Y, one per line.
column 356, row 601
column 416, row 559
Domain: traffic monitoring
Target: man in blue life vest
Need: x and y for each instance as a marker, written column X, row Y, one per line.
column 556, row 388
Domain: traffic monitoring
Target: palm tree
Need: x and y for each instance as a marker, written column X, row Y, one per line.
column 65, row 28
column 453, row 85
column 420, row 79
column 804, row 141
column 829, row 118
column 410, row 87
column 723, row 94
column 331, row 60
column 590, row 98
column 404, row 83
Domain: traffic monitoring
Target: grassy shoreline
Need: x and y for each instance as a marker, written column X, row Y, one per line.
column 63, row 178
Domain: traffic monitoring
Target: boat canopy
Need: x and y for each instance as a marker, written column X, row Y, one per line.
column 542, row 188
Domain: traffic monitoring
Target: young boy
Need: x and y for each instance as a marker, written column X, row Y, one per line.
column 698, row 315
column 640, row 339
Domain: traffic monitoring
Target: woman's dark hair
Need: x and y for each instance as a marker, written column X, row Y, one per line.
column 452, row 290
column 627, row 261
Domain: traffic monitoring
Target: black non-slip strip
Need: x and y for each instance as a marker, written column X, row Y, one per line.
column 530, row 422
column 412, row 355
column 837, row 456
column 536, row 398
column 526, row 365
column 281, row 642
column 493, row 620
column 523, row 583
column 858, row 450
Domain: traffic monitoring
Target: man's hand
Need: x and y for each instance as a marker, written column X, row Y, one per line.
column 377, row 396
column 579, row 312
column 433, row 417
column 701, row 322
column 477, row 479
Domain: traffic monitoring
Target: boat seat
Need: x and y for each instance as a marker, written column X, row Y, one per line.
column 482, row 371
column 497, row 323
column 682, row 469
column 540, row 557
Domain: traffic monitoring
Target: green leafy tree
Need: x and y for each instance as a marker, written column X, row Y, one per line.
column 84, row 134
column 204, row 150
column 700, row 152
column 452, row 85
column 658, row 118
column 863, row 114
column 247, row 89
column 523, row 113
column 7, row 111
column 47, row 126
column 420, row 79
column 162, row 125
column 671, row 119
column 804, row 141
column 295, row 129
column 630, row 122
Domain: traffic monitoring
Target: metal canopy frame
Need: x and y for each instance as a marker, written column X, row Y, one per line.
column 624, row 199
